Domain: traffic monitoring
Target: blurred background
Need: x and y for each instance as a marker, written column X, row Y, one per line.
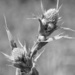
column 59, row 56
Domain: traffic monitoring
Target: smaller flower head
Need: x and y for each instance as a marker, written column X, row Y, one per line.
column 17, row 53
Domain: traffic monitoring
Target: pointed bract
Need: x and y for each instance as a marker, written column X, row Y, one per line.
column 7, row 56
column 24, row 47
column 57, row 6
column 20, row 43
column 42, row 7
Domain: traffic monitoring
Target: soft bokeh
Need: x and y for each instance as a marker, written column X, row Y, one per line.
column 59, row 56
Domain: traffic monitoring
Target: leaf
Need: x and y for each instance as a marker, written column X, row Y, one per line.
column 42, row 8
column 7, row 30
column 68, row 37
column 36, row 58
column 24, row 47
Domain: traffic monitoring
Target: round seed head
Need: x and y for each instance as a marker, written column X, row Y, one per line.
column 17, row 53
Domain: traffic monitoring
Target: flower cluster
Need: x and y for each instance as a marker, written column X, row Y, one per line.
column 23, row 60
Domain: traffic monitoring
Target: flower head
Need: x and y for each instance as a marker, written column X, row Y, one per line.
column 48, row 20
column 17, row 53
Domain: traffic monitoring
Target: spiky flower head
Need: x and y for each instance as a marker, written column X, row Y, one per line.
column 48, row 20
column 17, row 53
column 53, row 13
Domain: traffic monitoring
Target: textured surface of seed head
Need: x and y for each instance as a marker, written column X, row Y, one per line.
column 49, row 12
column 17, row 53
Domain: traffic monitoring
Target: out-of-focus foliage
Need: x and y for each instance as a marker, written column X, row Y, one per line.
column 59, row 56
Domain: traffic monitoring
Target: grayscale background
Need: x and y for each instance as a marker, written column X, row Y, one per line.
column 59, row 56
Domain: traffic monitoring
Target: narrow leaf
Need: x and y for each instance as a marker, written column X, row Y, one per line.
column 38, row 56
column 20, row 43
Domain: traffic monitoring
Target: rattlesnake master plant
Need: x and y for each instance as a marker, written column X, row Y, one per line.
column 23, row 60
